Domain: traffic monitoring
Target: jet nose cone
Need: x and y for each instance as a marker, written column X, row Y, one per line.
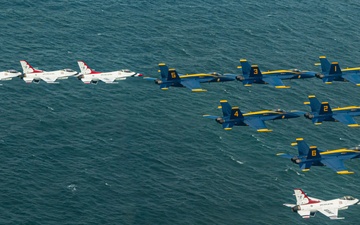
column 319, row 75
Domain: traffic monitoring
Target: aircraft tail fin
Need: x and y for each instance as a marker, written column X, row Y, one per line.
column 164, row 70
column 325, row 64
column 225, row 107
column 84, row 68
column 173, row 75
column 314, row 103
column 302, row 198
column 317, row 106
column 249, row 70
column 27, row 68
column 335, row 68
column 235, row 113
column 325, row 108
column 303, row 147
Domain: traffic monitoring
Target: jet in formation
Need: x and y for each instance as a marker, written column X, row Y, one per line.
column 321, row 111
column 332, row 72
column 307, row 206
column 232, row 116
column 9, row 74
column 88, row 75
column 169, row 77
column 252, row 74
column 31, row 74
column 312, row 156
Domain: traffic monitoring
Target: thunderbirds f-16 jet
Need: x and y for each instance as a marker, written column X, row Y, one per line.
column 31, row 74
column 252, row 74
column 232, row 116
column 308, row 206
column 321, row 111
column 312, row 156
column 87, row 75
column 169, row 77
column 9, row 74
column 332, row 72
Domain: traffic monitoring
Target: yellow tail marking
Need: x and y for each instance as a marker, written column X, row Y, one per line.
column 299, row 139
column 164, row 89
column 344, row 172
column 322, row 57
column 198, row 90
column 223, row 100
column 264, row 130
column 283, row 86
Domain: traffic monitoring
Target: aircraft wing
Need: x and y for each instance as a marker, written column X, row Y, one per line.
column 192, row 84
column 345, row 119
column 256, row 123
column 335, row 164
column 332, row 213
column 305, row 214
column 328, row 80
column 247, row 82
column 305, row 166
column 50, row 79
column 353, row 78
column 28, row 79
column 109, row 79
column 317, row 120
column 275, row 81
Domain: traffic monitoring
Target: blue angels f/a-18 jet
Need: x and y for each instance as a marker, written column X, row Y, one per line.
column 312, row 156
column 321, row 111
column 232, row 116
column 252, row 74
column 332, row 72
column 169, row 77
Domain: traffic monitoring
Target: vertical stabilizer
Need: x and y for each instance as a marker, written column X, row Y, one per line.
column 27, row 68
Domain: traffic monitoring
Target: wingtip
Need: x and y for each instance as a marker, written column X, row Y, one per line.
column 198, row 90
column 282, row 87
column 264, row 130
column 344, row 172
column 354, row 125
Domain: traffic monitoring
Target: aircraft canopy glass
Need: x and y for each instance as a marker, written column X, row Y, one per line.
column 347, row 198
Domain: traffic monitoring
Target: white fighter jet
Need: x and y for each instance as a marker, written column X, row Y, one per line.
column 31, row 74
column 9, row 74
column 87, row 75
column 307, row 206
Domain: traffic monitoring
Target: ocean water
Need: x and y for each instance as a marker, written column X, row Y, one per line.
column 130, row 153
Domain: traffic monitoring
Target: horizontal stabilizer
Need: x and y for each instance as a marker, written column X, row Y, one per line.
column 210, row 117
column 198, row 90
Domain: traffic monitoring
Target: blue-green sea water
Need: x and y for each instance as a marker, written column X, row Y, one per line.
column 130, row 153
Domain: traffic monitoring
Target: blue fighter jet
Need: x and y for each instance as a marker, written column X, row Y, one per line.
column 252, row 74
column 321, row 111
column 169, row 77
column 332, row 72
column 312, row 156
column 232, row 116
